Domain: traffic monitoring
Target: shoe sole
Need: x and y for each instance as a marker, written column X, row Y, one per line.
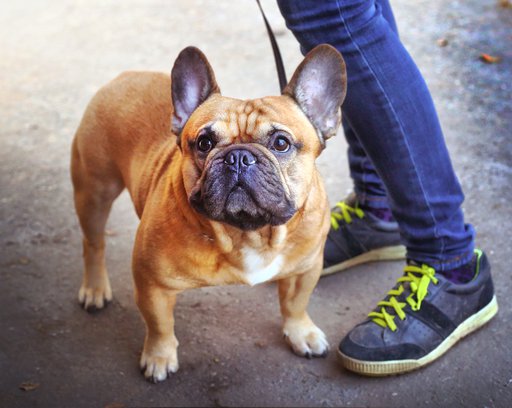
column 392, row 253
column 384, row 368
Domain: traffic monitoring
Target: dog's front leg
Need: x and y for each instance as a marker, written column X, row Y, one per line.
column 160, row 354
column 305, row 338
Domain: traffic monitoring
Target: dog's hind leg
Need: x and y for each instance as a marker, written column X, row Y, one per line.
column 94, row 194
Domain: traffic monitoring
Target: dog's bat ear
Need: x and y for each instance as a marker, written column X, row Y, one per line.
column 319, row 86
column 192, row 82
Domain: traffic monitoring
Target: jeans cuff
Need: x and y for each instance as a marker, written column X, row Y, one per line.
column 450, row 262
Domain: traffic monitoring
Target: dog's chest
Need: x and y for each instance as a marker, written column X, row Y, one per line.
column 257, row 269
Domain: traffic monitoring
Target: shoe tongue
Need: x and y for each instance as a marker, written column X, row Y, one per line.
column 413, row 262
column 406, row 292
column 351, row 200
column 406, row 286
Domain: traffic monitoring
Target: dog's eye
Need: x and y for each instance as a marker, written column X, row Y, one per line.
column 205, row 144
column 281, row 144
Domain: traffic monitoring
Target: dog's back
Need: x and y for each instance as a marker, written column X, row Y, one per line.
column 126, row 123
column 126, row 118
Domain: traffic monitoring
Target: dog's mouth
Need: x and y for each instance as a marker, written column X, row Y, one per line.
column 247, row 199
column 240, row 209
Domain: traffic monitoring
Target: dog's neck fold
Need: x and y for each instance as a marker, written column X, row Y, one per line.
column 271, row 236
column 222, row 238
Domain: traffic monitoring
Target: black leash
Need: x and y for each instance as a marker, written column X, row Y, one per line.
column 281, row 74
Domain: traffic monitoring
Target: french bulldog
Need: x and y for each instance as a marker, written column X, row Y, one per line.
column 226, row 190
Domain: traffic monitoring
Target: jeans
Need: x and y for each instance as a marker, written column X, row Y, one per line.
column 397, row 153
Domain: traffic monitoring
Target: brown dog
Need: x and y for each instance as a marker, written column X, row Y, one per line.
column 226, row 190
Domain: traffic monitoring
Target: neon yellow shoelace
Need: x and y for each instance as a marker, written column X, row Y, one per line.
column 419, row 278
column 345, row 214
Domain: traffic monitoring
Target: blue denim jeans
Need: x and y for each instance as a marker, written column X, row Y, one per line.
column 397, row 153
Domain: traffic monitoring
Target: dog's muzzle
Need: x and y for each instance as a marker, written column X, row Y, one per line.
column 242, row 187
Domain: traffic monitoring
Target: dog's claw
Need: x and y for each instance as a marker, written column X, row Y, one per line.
column 93, row 309
column 153, row 379
column 159, row 366
column 93, row 300
column 306, row 339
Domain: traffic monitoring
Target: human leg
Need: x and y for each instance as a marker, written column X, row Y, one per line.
column 391, row 114
column 368, row 187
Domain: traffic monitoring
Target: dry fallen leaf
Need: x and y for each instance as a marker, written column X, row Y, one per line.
column 260, row 344
column 28, row 386
column 442, row 42
column 489, row 59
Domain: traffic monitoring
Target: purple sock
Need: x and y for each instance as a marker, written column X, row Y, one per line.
column 383, row 214
column 461, row 274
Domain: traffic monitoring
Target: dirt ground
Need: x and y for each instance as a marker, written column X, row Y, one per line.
column 55, row 55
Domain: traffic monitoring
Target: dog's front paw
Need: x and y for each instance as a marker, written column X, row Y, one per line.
column 160, row 362
column 95, row 297
column 305, row 338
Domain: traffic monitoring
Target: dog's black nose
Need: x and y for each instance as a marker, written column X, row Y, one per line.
column 239, row 159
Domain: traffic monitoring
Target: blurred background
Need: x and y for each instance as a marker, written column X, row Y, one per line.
column 54, row 55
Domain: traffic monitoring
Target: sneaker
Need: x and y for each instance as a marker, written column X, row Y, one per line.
column 358, row 237
column 421, row 318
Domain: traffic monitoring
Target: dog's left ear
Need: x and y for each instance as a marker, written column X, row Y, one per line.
column 192, row 82
column 319, row 86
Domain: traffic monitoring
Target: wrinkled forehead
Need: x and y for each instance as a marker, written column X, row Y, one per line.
column 250, row 119
column 245, row 118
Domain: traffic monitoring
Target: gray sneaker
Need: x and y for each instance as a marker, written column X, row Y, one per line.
column 358, row 237
column 420, row 319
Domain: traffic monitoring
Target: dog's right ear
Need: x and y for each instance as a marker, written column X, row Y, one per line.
column 192, row 82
